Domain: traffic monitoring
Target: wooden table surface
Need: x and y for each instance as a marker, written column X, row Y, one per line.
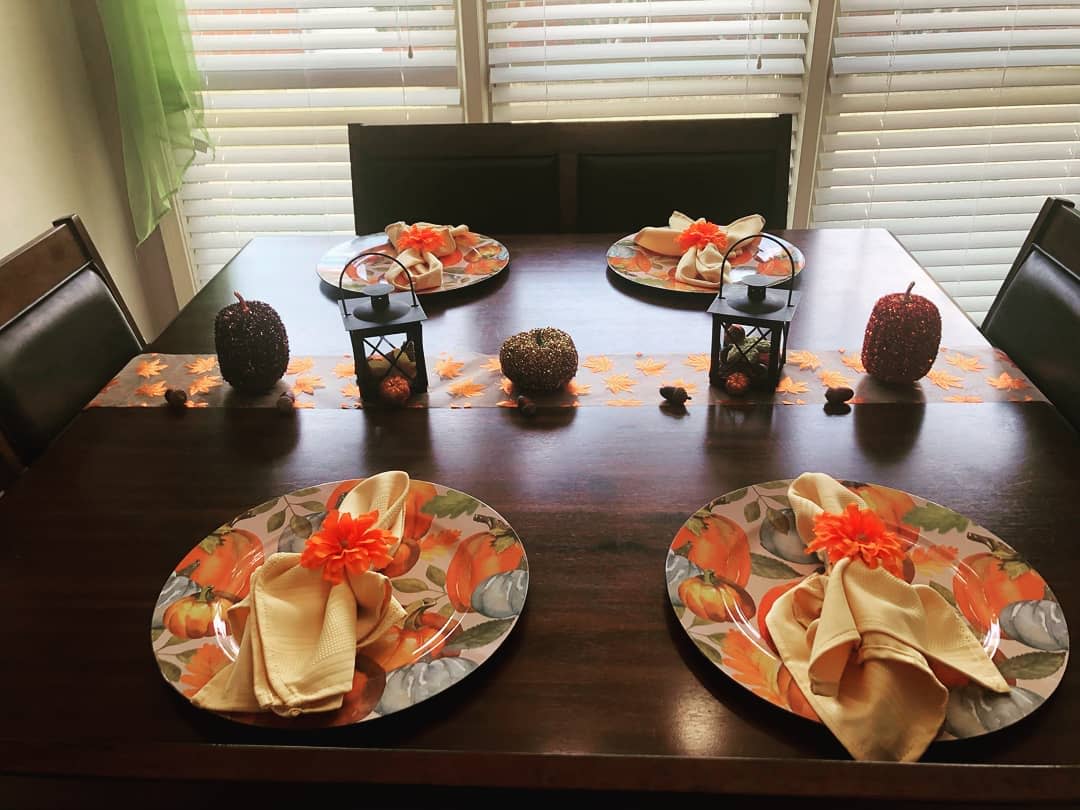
column 597, row 688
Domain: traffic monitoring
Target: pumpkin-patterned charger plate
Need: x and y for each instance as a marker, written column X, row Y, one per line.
column 633, row 262
column 477, row 259
column 460, row 573
column 736, row 555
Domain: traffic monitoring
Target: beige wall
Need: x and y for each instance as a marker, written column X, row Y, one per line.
column 56, row 157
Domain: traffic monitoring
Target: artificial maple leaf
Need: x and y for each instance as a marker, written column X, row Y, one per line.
column 345, row 369
column 650, row 367
column 578, row 389
column 448, row 368
column 598, row 363
column 854, row 363
column 964, row 398
column 1006, row 382
column 149, row 389
column 110, row 384
column 307, row 404
column 506, row 403
column 943, row 379
column 624, row 403
column 617, row 383
column 466, row 388
column 306, row 384
column 789, row 386
column 751, row 666
column 698, row 362
column 833, row 379
column 689, row 387
column 933, row 559
column 350, row 390
column 807, row 361
column 203, row 385
column 800, row 401
column 1004, row 358
column 150, row 368
column 492, row 364
column 190, row 403
column 506, row 386
column 964, row 362
column 298, row 365
column 201, row 365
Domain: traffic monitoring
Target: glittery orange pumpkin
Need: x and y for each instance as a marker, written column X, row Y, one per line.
column 902, row 337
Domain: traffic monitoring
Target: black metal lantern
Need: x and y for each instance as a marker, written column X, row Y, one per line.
column 750, row 326
column 378, row 315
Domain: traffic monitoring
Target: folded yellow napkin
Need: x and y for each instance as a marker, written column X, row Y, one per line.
column 858, row 641
column 701, row 265
column 298, row 632
column 420, row 247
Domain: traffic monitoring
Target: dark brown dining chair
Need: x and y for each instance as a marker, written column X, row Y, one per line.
column 64, row 332
column 1035, row 318
column 583, row 177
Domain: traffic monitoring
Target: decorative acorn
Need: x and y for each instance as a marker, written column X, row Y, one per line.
column 526, row 406
column 539, row 360
column 395, row 390
column 674, row 394
column 902, row 337
column 176, row 398
column 251, row 344
column 286, row 402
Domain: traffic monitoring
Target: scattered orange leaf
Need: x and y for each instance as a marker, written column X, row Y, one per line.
column 789, row 386
column 578, row 389
column 624, row 403
column 492, row 364
column 298, row 365
column 1006, row 382
column 110, row 384
column 933, row 559
column 306, row 384
column 943, row 379
column 506, row 386
column 691, row 388
column 1004, row 358
column 350, row 390
column 963, row 398
column 150, row 368
column 833, row 379
column 854, row 363
column 448, row 368
column 698, row 362
column 506, row 403
column 751, row 666
column 807, row 361
column 149, row 389
column 345, row 369
column 964, row 362
column 598, row 363
column 650, row 367
column 201, row 365
column 203, row 385
column 190, row 403
column 800, row 401
column 466, row 388
column 306, row 404
column 617, row 383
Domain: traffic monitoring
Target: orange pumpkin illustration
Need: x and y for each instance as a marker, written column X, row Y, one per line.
column 998, row 580
column 194, row 616
column 715, row 598
column 224, row 561
column 889, row 505
column 721, row 547
column 478, row 557
column 405, row 558
column 340, row 491
column 794, row 696
column 420, row 634
column 766, row 604
column 418, row 522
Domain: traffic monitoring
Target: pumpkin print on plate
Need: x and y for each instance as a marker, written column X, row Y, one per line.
column 633, row 262
column 477, row 259
column 735, row 556
column 460, row 572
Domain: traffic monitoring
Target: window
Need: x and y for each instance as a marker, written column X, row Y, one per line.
column 949, row 124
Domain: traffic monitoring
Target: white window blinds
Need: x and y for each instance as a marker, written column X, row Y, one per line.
column 562, row 59
column 949, row 124
column 283, row 78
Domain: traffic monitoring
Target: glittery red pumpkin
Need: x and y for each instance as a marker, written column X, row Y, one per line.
column 902, row 337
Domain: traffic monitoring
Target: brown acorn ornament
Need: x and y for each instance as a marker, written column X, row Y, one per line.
column 902, row 337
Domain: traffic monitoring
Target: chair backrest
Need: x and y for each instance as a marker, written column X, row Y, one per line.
column 1035, row 317
column 64, row 332
column 584, row 177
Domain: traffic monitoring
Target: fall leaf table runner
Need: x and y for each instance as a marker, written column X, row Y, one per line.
column 470, row 380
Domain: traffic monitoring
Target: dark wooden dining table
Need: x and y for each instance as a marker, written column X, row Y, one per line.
column 597, row 689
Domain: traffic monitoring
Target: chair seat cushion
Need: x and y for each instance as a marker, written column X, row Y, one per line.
column 55, row 357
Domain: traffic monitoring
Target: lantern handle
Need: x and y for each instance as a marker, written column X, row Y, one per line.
column 791, row 260
column 341, row 276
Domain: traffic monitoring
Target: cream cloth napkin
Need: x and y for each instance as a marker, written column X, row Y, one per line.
column 424, row 266
column 299, row 633
column 857, row 642
column 702, row 267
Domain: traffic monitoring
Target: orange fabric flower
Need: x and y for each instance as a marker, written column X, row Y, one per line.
column 420, row 238
column 701, row 235
column 857, row 533
column 345, row 543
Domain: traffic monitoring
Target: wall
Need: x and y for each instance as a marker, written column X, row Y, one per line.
column 56, row 157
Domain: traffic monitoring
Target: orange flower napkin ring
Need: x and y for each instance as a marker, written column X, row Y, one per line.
column 860, row 534
column 347, row 544
column 420, row 238
column 701, row 234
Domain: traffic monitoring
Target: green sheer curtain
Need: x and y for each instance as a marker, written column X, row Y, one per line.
column 157, row 84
